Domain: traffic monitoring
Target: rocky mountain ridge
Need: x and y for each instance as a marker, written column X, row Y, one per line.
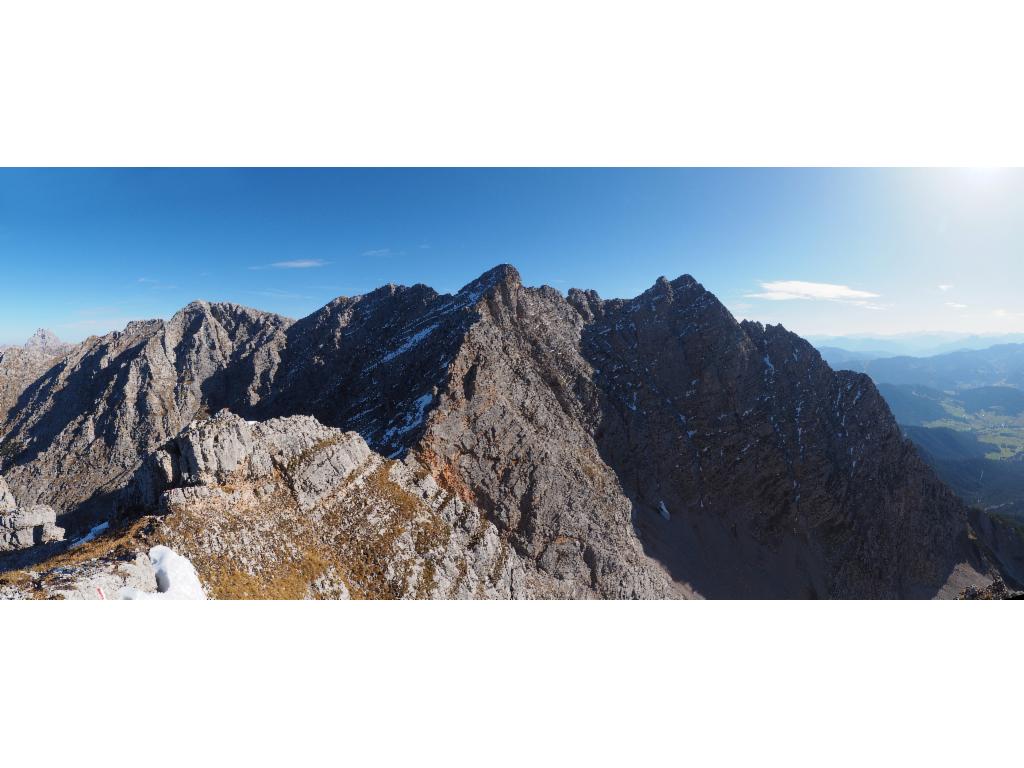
column 650, row 447
column 21, row 365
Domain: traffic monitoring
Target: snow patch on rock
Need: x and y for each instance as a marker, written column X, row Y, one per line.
column 176, row 578
column 92, row 534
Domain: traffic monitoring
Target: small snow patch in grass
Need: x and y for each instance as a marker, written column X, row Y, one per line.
column 176, row 578
column 92, row 534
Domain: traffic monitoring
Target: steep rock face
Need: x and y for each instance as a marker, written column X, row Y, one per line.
column 757, row 470
column 78, row 432
column 738, row 458
column 20, row 366
column 645, row 448
column 374, row 363
column 513, row 431
column 7, row 502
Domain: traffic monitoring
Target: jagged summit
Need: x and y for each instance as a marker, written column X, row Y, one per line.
column 223, row 309
column 43, row 339
column 42, row 342
column 503, row 274
column 619, row 448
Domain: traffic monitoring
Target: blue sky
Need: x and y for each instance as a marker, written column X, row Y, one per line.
column 824, row 251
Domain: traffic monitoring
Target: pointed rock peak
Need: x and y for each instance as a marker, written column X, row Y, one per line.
column 503, row 274
column 203, row 307
column 670, row 288
column 685, row 281
column 199, row 305
column 661, row 287
column 43, row 339
column 388, row 289
column 583, row 293
column 587, row 303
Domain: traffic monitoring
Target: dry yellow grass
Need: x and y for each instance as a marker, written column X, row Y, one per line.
column 380, row 541
column 121, row 543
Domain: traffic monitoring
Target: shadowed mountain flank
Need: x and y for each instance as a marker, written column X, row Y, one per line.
column 642, row 448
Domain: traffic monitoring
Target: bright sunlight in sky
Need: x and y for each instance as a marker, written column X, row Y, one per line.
column 823, row 251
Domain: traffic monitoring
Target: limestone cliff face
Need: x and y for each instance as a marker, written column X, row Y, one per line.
column 80, row 429
column 21, row 365
column 731, row 452
column 645, row 448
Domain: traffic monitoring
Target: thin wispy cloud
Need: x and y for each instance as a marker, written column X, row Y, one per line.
column 801, row 290
column 153, row 283
column 276, row 294
column 377, row 252
column 294, row 264
column 945, row 287
column 955, row 305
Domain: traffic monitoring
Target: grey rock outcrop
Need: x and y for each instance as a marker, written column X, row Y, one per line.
column 25, row 527
column 45, row 342
column 7, row 502
column 103, row 579
column 291, row 508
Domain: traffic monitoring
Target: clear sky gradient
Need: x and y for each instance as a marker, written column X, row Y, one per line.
column 825, row 252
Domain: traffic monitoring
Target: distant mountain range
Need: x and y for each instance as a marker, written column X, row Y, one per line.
column 1000, row 365
column 911, row 344
column 964, row 411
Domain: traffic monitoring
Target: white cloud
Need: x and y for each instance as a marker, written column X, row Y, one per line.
column 277, row 294
column 1006, row 313
column 945, row 287
column 956, row 305
column 790, row 290
column 294, row 264
column 377, row 252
